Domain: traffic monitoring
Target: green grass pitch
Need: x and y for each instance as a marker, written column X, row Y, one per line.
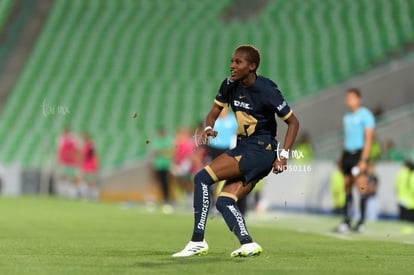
column 55, row 236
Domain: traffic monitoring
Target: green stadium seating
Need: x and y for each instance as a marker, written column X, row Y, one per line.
column 103, row 60
column 5, row 6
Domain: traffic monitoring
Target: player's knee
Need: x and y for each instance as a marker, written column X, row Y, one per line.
column 203, row 176
column 223, row 202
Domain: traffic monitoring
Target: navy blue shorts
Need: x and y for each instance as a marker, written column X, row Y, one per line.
column 255, row 155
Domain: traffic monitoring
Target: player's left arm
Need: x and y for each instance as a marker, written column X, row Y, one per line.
column 293, row 127
column 292, row 131
column 368, row 139
column 369, row 125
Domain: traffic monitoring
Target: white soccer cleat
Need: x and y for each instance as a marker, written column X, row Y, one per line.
column 193, row 248
column 360, row 228
column 343, row 228
column 247, row 250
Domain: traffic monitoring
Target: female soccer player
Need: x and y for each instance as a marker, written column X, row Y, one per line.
column 255, row 100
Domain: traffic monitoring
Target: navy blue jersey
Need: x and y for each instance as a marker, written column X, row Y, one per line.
column 255, row 106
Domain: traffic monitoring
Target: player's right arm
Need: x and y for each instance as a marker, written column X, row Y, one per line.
column 211, row 119
column 220, row 101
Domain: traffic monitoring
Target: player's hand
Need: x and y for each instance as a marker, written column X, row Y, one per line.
column 279, row 165
column 208, row 133
column 362, row 166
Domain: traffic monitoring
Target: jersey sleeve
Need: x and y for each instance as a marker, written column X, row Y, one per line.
column 222, row 97
column 279, row 104
column 369, row 120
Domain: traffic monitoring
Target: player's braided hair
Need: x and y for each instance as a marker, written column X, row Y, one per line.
column 252, row 54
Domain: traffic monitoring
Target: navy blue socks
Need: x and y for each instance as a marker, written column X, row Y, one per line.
column 234, row 219
column 348, row 208
column 363, row 207
column 202, row 200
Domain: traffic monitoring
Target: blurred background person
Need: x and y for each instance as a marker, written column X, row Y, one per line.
column 391, row 152
column 404, row 187
column 304, row 147
column 375, row 153
column 89, row 167
column 337, row 183
column 372, row 187
column 372, row 179
column 184, row 150
column 358, row 125
column 67, row 159
column 161, row 154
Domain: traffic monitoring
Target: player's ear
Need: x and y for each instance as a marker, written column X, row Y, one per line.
column 252, row 67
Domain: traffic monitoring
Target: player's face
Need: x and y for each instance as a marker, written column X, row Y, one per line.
column 240, row 67
column 352, row 101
